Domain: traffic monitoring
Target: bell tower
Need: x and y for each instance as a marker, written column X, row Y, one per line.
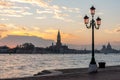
column 58, row 44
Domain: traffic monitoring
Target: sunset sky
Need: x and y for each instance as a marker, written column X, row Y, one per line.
column 43, row 18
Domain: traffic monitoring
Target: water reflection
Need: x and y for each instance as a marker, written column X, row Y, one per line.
column 18, row 65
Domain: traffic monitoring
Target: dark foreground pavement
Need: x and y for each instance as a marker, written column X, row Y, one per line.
column 108, row 73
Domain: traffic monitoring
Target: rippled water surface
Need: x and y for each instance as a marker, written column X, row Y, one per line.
column 19, row 65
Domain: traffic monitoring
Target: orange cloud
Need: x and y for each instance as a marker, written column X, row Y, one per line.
column 80, row 37
column 13, row 29
column 41, row 3
column 5, row 4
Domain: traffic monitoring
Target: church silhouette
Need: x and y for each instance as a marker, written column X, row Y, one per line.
column 58, row 47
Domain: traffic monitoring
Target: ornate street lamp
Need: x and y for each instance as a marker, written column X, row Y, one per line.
column 92, row 65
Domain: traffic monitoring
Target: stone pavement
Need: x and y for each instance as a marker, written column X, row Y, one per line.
column 108, row 73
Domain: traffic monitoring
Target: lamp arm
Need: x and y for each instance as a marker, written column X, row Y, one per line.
column 97, row 26
column 89, row 25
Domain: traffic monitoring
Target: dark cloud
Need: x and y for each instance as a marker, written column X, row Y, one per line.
column 118, row 30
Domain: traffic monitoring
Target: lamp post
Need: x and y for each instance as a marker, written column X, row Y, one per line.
column 92, row 65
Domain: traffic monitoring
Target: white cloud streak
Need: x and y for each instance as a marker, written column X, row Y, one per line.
column 44, row 12
column 57, row 11
column 9, row 8
column 4, row 19
column 44, row 17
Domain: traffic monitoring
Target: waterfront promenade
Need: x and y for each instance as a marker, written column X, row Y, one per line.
column 108, row 73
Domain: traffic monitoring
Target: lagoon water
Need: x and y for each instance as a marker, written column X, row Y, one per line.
column 20, row 65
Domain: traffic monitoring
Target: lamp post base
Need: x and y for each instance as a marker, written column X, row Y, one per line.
column 92, row 68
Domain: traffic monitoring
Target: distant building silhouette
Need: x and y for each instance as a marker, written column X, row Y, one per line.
column 58, row 43
column 4, row 49
column 25, row 48
column 108, row 49
column 58, row 48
